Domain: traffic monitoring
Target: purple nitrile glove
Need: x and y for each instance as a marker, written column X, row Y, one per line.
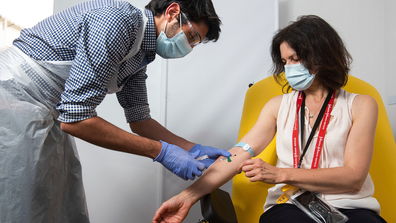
column 179, row 161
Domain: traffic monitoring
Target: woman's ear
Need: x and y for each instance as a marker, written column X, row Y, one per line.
column 172, row 12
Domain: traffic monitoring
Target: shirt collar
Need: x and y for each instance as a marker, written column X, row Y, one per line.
column 149, row 42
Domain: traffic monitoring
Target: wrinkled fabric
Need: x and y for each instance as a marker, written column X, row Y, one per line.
column 40, row 171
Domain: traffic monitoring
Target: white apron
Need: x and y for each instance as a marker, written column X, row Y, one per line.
column 40, row 171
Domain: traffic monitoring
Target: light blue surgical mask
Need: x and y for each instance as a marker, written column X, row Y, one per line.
column 298, row 76
column 176, row 47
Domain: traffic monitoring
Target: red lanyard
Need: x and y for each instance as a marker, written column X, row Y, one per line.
column 322, row 131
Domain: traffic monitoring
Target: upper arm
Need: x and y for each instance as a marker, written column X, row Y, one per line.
column 133, row 98
column 264, row 129
column 360, row 142
column 102, row 43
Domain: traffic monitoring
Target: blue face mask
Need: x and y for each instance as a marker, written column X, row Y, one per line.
column 298, row 76
column 176, row 47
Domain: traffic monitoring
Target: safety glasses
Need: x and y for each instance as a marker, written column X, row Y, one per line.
column 193, row 36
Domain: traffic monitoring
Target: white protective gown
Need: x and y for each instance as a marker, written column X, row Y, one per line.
column 40, row 171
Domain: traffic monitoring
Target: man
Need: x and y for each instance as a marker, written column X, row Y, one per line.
column 60, row 70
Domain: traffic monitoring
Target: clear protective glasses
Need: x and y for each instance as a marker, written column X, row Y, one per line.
column 193, row 36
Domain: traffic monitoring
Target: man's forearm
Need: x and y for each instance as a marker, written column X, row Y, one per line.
column 98, row 131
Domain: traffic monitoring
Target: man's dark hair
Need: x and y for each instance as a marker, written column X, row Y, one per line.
column 196, row 11
column 319, row 48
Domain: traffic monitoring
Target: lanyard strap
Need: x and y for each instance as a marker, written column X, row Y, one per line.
column 325, row 111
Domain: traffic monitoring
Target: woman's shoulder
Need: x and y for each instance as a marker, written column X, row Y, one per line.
column 357, row 99
column 283, row 98
column 281, row 101
column 362, row 101
column 287, row 96
column 364, row 105
column 274, row 103
column 276, row 99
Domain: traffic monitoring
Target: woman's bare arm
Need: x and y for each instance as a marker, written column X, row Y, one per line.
column 347, row 178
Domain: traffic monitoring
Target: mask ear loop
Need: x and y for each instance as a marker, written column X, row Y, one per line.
column 166, row 22
column 181, row 27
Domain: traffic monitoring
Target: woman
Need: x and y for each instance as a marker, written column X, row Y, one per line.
column 316, row 65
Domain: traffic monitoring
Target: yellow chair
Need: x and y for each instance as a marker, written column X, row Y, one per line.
column 249, row 198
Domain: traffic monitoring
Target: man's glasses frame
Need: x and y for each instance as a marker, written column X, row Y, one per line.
column 193, row 37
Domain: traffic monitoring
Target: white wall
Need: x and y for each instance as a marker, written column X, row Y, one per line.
column 199, row 97
column 390, row 58
column 205, row 101
column 14, row 18
column 368, row 29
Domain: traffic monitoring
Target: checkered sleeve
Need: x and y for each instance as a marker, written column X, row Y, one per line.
column 133, row 98
column 106, row 36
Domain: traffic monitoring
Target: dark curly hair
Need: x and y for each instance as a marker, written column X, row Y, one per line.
column 318, row 47
column 196, row 11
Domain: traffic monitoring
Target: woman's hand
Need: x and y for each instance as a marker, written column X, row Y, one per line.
column 258, row 170
column 174, row 210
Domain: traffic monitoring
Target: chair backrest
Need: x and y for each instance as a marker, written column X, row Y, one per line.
column 249, row 198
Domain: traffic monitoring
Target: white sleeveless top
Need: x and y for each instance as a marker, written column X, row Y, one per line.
column 332, row 154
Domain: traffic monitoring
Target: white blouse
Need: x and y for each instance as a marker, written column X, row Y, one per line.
column 332, row 153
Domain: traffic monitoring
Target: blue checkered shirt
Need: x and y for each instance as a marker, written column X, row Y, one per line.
column 96, row 36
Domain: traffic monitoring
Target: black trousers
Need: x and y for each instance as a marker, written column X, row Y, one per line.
column 283, row 213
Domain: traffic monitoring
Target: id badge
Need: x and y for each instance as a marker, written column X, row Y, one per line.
column 316, row 208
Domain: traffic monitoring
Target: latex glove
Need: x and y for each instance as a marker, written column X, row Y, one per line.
column 179, row 161
column 212, row 153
